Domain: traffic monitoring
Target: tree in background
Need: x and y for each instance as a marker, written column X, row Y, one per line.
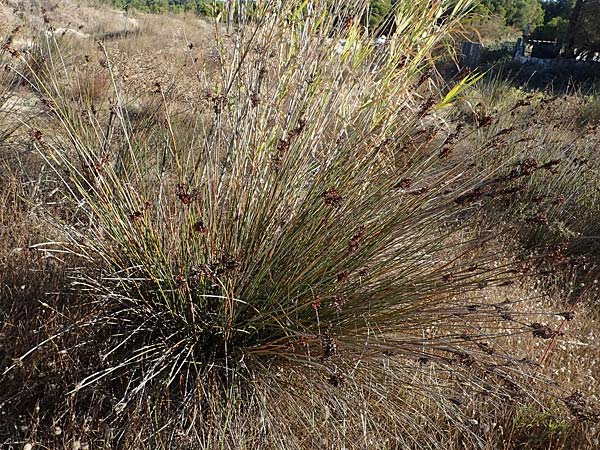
column 556, row 29
column 549, row 17
column 557, row 9
column 515, row 13
column 200, row 7
column 153, row 6
column 378, row 11
column 584, row 28
column 526, row 12
column 158, row 6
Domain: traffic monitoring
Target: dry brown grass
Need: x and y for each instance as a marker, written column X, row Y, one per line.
column 37, row 305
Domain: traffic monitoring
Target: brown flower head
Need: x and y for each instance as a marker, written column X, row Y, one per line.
column 185, row 195
column 200, row 227
column 332, row 197
column 357, row 239
column 136, row 216
column 543, row 331
column 329, row 345
column 404, row 183
column 343, row 276
column 36, row 135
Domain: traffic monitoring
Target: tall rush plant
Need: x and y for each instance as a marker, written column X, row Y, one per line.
column 298, row 215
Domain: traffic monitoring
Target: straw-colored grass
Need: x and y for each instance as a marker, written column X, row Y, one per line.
column 273, row 243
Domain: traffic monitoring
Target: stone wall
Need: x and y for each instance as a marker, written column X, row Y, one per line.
column 562, row 64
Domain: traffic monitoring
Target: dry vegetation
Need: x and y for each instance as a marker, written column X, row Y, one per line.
column 260, row 239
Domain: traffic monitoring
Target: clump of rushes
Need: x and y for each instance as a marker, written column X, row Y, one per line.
column 303, row 237
column 550, row 180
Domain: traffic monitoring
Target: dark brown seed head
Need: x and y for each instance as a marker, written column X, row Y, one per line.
column 552, row 166
column 343, row 276
column 424, row 77
column 445, row 151
column 336, row 379
column 184, row 194
column 136, row 216
column 486, row 347
column 528, row 166
column 228, row 265
column 283, row 145
column 543, row 331
column 254, row 99
column 426, row 106
column 404, row 183
column 300, row 127
column 200, row 227
column 329, row 345
column 357, row 239
column 465, row 359
column 485, row 121
column 218, row 103
column 332, row 197
column 36, row 135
